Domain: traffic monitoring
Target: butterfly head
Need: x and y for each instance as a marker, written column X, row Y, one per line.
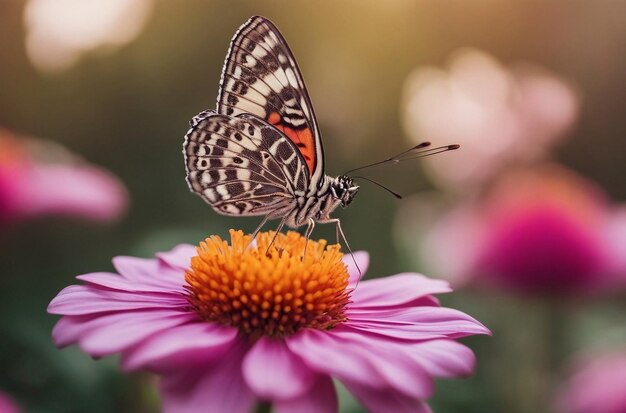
column 344, row 189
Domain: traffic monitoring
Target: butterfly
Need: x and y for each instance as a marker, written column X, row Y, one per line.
column 260, row 152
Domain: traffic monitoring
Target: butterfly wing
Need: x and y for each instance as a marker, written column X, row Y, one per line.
column 242, row 165
column 261, row 77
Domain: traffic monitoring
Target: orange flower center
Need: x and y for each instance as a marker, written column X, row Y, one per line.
column 272, row 292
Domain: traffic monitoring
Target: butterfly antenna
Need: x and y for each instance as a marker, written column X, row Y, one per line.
column 397, row 195
column 411, row 153
column 415, row 148
column 430, row 152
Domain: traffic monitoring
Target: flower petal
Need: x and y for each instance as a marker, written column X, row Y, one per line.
column 111, row 333
column 148, row 271
column 272, row 371
column 72, row 190
column 397, row 290
column 178, row 257
column 218, row 387
column 183, row 345
column 81, row 300
column 321, row 398
column 362, row 259
column 597, row 384
column 444, row 358
column 322, row 352
column 117, row 282
column 417, row 323
column 7, row 404
column 385, row 401
column 369, row 361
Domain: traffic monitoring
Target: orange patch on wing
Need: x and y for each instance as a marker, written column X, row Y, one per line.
column 302, row 138
column 274, row 118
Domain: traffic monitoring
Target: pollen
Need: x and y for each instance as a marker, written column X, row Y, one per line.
column 269, row 290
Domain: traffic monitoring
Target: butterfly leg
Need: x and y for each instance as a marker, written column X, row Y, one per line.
column 256, row 231
column 340, row 233
column 307, row 235
column 280, row 226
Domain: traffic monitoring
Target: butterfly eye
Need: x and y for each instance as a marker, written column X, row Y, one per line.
column 338, row 191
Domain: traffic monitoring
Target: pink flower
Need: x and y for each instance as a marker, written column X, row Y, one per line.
column 544, row 231
column 598, row 385
column 31, row 187
column 498, row 116
column 7, row 404
column 226, row 326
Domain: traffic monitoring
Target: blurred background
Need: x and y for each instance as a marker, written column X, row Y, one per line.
column 527, row 220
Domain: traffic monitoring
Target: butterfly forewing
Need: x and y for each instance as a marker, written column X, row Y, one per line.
column 242, row 165
column 261, row 77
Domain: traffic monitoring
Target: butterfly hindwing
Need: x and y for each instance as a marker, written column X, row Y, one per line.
column 261, row 77
column 242, row 165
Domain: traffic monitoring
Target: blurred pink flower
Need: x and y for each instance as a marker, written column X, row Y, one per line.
column 385, row 340
column 541, row 231
column 598, row 385
column 31, row 187
column 498, row 116
column 7, row 404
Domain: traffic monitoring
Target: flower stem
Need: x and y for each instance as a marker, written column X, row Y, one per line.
column 263, row 407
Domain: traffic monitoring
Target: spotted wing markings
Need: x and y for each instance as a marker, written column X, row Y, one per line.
column 228, row 144
column 283, row 151
column 266, row 93
column 282, row 95
column 242, row 165
column 213, row 177
column 260, row 76
column 270, row 62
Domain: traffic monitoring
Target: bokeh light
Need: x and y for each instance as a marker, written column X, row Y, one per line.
column 59, row 32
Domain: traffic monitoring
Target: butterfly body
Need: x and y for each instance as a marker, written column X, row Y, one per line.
column 319, row 205
column 260, row 152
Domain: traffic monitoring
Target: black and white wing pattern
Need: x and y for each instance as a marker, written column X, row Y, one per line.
column 261, row 77
column 242, row 165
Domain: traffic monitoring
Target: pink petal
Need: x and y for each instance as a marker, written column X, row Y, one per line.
column 148, row 271
column 179, row 257
column 365, row 360
column 183, row 345
column 417, row 323
column 117, row 282
column 393, row 362
column 386, row 401
column 272, row 371
column 81, row 300
column 111, row 333
column 218, row 388
column 362, row 259
column 598, row 385
column 444, row 358
column 136, row 269
column 543, row 249
column 7, row 404
column 401, row 289
column 73, row 190
column 321, row 398
column 323, row 353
